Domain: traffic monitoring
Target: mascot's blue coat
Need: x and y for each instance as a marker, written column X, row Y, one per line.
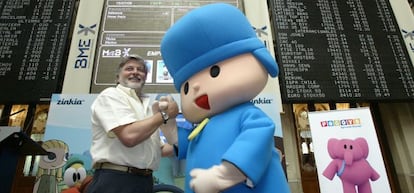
column 241, row 134
column 248, row 135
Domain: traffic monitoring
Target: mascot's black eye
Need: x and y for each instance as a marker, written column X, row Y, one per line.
column 214, row 71
column 185, row 88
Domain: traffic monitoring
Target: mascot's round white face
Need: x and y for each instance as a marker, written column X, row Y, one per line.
column 221, row 86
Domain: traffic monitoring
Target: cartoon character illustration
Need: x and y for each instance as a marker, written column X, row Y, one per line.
column 350, row 165
column 51, row 166
column 74, row 174
column 219, row 65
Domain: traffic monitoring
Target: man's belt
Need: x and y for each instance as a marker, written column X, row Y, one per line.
column 127, row 169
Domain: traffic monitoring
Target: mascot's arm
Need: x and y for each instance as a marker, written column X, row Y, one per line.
column 170, row 131
column 330, row 171
column 251, row 151
column 216, row 178
column 182, row 142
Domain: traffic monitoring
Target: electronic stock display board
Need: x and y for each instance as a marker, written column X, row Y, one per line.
column 136, row 28
column 340, row 50
column 33, row 42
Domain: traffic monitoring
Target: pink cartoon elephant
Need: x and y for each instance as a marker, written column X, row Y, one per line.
column 350, row 164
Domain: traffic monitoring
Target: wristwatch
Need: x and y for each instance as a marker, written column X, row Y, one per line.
column 164, row 116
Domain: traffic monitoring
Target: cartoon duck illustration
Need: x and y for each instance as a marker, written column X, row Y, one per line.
column 75, row 173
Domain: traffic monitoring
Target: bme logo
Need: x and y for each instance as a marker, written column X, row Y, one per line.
column 84, row 46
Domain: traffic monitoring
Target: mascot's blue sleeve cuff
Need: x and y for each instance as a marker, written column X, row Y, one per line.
column 182, row 142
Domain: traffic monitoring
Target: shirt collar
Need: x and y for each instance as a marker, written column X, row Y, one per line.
column 131, row 92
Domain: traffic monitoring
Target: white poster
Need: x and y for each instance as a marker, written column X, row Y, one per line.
column 347, row 152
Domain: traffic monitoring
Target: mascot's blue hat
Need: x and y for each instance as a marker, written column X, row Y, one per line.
column 208, row 35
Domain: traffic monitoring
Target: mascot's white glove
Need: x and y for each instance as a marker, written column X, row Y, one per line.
column 170, row 129
column 216, row 178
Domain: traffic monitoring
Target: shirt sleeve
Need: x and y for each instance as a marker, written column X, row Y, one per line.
column 112, row 110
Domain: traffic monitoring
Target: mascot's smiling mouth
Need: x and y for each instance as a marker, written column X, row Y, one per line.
column 202, row 102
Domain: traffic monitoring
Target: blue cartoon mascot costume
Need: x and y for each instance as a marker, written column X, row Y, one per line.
column 219, row 65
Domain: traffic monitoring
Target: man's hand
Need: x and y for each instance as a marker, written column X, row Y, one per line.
column 168, row 105
column 216, row 178
column 155, row 107
column 165, row 104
